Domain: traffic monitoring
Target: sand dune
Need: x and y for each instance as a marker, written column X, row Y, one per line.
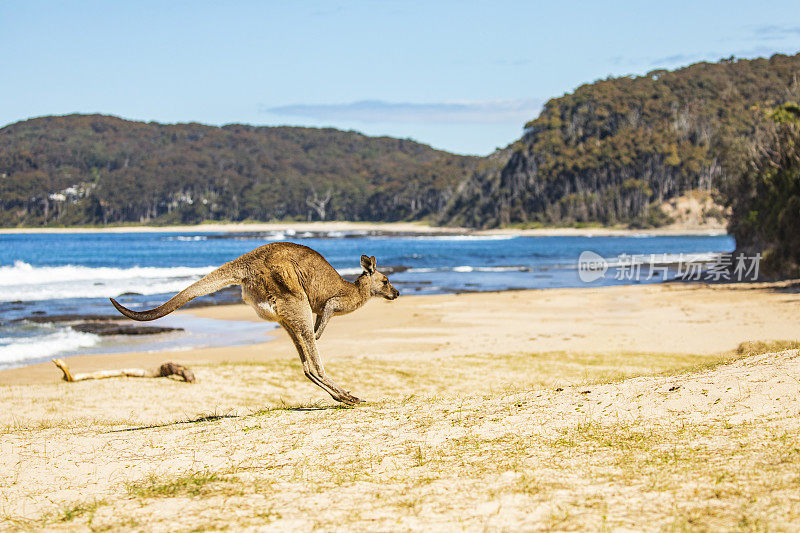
column 638, row 453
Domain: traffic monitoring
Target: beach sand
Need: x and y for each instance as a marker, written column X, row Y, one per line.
column 383, row 227
column 513, row 410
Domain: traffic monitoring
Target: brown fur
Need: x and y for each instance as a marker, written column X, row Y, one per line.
column 289, row 283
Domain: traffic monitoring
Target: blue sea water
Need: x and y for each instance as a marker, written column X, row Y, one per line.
column 77, row 273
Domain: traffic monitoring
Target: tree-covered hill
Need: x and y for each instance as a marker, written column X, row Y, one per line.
column 94, row 169
column 613, row 150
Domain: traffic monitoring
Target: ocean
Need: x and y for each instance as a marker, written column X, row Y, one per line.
column 58, row 274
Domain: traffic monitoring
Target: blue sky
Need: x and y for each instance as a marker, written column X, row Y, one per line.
column 462, row 76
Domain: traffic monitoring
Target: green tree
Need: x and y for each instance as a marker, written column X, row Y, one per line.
column 765, row 198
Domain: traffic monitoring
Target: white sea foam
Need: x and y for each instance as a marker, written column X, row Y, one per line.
column 503, row 269
column 664, row 259
column 188, row 238
column 464, row 237
column 653, row 259
column 14, row 350
column 469, row 268
column 461, row 268
column 25, row 282
column 349, row 271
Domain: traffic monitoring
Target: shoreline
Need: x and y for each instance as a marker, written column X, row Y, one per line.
column 379, row 227
column 656, row 318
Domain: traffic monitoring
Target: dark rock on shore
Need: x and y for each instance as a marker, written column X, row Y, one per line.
column 104, row 329
column 43, row 319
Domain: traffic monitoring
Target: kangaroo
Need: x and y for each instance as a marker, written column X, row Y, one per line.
column 288, row 283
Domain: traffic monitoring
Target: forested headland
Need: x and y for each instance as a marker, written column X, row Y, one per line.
column 612, row 151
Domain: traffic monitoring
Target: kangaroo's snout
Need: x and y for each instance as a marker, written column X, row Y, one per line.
column 386, row 289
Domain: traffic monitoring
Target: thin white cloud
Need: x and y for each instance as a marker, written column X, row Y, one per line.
column 375, row 111
column 771, row 32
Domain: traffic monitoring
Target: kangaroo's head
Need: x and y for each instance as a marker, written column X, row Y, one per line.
column 378, row 283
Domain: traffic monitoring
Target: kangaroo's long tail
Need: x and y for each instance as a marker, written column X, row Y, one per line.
column 225, row 275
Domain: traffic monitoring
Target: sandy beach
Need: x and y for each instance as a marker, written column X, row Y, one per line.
column 519, row 409
column 383, row 227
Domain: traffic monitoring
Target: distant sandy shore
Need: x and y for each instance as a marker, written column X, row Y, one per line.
column 389, row 227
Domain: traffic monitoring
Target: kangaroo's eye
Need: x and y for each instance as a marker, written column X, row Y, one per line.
column 386, row 282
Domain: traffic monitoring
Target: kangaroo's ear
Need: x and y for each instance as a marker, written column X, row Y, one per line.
column 368, row 264
column 374, row 263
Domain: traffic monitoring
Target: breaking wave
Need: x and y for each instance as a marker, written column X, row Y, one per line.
column 18, row 349
column 24, row 282
column 468, row 268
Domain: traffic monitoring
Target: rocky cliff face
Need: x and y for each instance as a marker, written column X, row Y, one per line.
column 517, row 192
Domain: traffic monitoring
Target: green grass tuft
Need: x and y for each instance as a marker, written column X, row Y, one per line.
column 80, row 509
column 193, row 484
column 760, row 347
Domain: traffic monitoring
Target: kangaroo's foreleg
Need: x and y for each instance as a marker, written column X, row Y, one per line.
column 322, row 319
column 297, row 320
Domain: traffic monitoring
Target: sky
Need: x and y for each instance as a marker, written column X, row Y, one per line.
column 461, row 76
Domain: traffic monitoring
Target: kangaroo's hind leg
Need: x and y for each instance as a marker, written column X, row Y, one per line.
column 297, row 319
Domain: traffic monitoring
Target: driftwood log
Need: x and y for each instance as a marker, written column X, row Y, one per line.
column 165, row 370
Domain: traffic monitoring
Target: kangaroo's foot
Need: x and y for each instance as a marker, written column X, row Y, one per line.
column 349, row 399
column 329, row 386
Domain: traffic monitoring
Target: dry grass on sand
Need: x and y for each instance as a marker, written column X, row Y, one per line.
column 710, row 449
column 551, row 440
